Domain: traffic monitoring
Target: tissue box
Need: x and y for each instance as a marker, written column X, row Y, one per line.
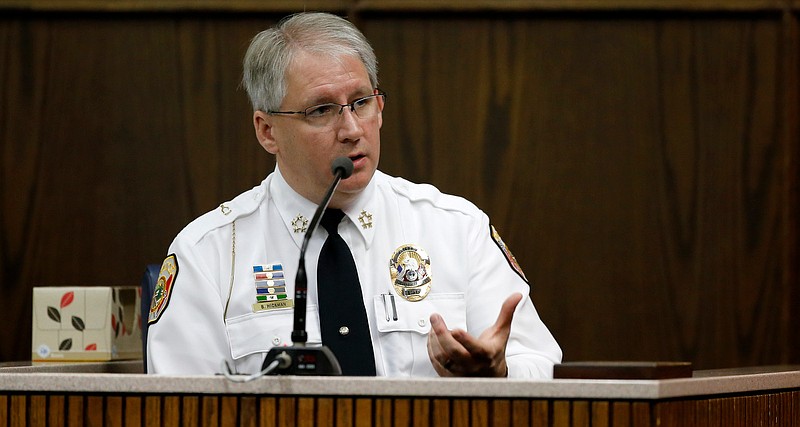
column 86, row 324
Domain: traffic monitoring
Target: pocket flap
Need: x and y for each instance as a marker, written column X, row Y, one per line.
column 396, row 314
column 258, row 332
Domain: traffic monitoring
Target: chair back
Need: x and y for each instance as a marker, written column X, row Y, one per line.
column 148, row 286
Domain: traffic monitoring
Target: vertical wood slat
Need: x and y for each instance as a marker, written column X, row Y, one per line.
column 580, row 414
column 94, row 411
column 363, row 413
column 171, row 410
column 38, row 410
column 344, row 412
column 152, row 411
column 229, row 411
column 4, row 417
column 133, row 411
column 248, row 411
column 18, row 409
column 114, row 411
column 422, row 412
column 600, row 414
column 561, row 413
column 621, row 414
column 501, row 414
column 56, row 407
column 479, row 412
column 520, row 412
column 190, row 408
column 383, row 412
column 326, row 409
column 268, row 411
column 402, row 410
column 640, row 414
column 306, row 413
column 441, row 413
column 540, row 413
column 75, row 411
column 210, row 411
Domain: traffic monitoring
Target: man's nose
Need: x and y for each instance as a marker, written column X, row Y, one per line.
column 349, row 124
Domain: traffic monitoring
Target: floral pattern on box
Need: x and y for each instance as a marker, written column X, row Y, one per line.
column 86, row 323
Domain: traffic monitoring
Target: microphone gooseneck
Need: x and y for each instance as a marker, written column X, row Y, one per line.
column 341, row 168
column 299, row 359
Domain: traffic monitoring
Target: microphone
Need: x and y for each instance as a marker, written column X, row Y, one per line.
column 299, row 359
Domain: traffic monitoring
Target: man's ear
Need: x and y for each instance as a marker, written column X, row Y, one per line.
column 381, row 104
column 263, row 125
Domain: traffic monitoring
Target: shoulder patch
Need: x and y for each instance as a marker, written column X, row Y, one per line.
column 507, row 253
column 163, row 289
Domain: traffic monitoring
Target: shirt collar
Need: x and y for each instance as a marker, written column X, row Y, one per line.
column 365, row 212
column 296, row 211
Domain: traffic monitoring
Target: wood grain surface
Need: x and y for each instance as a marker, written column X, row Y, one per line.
column 641, row 162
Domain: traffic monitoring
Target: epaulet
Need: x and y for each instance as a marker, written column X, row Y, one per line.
column 426, row 193
column 227, row 212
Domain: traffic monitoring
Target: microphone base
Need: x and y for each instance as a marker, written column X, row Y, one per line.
column 296, row 360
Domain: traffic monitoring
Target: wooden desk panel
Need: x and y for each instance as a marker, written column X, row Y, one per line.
column 117, row 394
column 778, row 408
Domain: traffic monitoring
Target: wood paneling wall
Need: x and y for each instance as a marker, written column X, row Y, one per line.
column 639, row 157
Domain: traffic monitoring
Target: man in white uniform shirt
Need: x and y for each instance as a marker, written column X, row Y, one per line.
column 460, row 305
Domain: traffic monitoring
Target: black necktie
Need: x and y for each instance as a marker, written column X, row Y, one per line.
column 343, row 319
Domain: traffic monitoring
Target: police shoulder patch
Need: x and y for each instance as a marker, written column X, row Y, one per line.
column 507, row 252
column 163, row 288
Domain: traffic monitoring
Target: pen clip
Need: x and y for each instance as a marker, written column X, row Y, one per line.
column 394, row 307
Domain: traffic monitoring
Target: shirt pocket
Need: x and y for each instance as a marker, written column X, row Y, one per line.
column 404, row 327
column 395, row 314
column 253, row 333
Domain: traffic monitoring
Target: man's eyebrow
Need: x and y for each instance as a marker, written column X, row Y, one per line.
column 328, row 99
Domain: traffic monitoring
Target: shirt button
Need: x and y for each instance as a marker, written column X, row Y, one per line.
column 421, row 322
column 276, row 340
column 344, row 330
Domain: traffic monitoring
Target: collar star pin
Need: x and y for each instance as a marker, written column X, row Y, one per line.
column 365, row 219
column 300, row 224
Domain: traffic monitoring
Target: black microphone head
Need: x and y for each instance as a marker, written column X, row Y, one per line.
column 344, row 164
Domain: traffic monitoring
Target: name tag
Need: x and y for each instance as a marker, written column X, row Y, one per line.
column 272, row 305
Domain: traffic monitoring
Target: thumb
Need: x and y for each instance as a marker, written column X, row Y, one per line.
column 503, row 322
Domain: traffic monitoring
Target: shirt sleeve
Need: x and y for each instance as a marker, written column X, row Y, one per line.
column 532, row 350
column 189, row 335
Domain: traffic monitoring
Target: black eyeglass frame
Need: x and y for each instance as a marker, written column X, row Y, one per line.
column 352, row 105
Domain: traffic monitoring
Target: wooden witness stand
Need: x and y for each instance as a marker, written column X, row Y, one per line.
column 117, row 394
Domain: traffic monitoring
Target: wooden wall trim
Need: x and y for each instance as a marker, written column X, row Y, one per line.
column 174, row 5
column 573, row 5
column 394, row 5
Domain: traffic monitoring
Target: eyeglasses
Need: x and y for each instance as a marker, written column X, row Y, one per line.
column 324, row 115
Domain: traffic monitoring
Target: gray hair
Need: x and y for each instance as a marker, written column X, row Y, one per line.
column 272, row 51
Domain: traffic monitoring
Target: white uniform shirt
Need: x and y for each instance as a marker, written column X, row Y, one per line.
column 200, row 326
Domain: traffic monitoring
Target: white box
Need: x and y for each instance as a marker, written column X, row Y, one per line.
column 86, row 324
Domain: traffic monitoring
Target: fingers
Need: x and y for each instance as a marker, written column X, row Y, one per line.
column 436, row 353
column 496, row 335
column 458, row 353
column 444, row 350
